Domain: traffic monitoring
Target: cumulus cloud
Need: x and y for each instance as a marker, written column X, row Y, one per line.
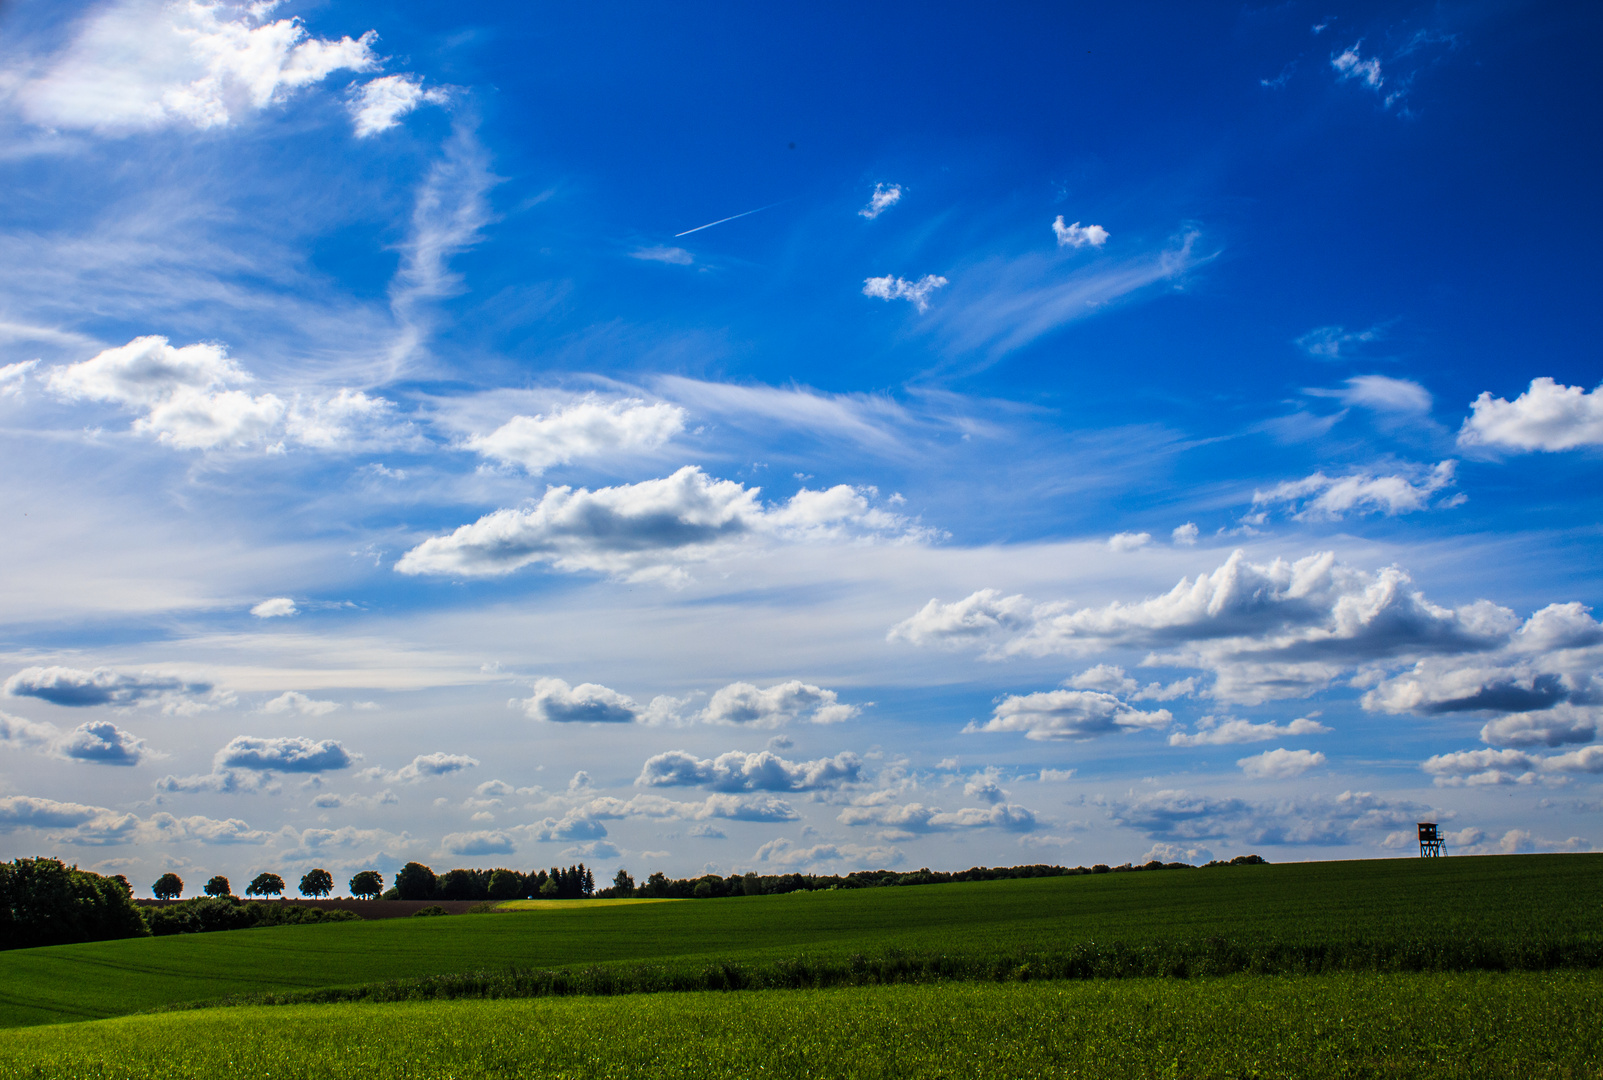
column 189, row 400
column 380, row 103
column 986, row 787
column 917, row 293
column 1319, row 496
column 1548, row 416
column 139, row 65
column 1213, row 731
column 586, row 820
column 787, row 854
column 1265, row 631
column 651, row 530
column 293, row 701
column 478, row 843
column 1541, row 685
column 737, row 771
column 1075, row 715
column 1179, row 816
column 429, row 766
column 1185, row 535
column 103, row 743
column 981, row 615
column 582, row 429
column 1077, row 235
column 102, row 686
column 884, row 197
column 1474, row 768
column 99, row 742
column 744, row 704
column 276, row 608
column 1129, row 541
column 225, row 782
column 557, row 702
column 1280, row 764
column 87, row 824
column 292, row 754
column 166, row 828
column 912, row 818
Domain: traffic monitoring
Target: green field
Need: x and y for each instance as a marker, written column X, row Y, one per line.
column 1404, row 913
column 1465, row 1025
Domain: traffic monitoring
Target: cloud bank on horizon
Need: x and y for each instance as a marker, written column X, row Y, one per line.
column 393, row 476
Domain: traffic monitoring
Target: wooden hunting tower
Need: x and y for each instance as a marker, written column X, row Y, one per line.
column 1431, row 844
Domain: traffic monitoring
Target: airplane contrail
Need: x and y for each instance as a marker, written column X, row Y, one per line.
column 720, row 221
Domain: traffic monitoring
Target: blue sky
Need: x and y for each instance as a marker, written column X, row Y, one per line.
column 1084, row 436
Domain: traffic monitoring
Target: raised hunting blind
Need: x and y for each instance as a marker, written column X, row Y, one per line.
column 1431, row 844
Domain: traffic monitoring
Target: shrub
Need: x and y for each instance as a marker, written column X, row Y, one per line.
column 204, row 916
column 431, row 910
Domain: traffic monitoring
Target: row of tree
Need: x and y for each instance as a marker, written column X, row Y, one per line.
column 418, row 882
column 314, row 883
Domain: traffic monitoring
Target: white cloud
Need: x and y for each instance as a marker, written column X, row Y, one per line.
column 1385, row 394
column 585, row 821
column 225, row 782
column 986, row 786
column 1542, row 684
column 1129, row 541
column 1211, row 731
column 1111, row 679
column 12, row 376
column 918, row 292
column 1077, row 235
column 1333, row 342
column 88, row 824
column 138, row 65
column 293, row 701
column 1476, row 768
column 650, row 530
column 17, row 733
column 1181, row 816
column 103, row 743
column 1280, row 764
column 555, row 701
column 1547, row 416
column 277, row 607
column 1319, row 496
column 1185, row 535
column 380, row 103
column 744, row 704
column 1285, row 629
column 102, row 686
column 293, row 754
column 429, row 766
column 185, row 397
column 582, row 429
column 912, row 818
column 1349, row 64
column 165, row 828
column 674, row 256
column 737, row 771
column 884, row 197
column 478, row 843
column 986, row 613
column 1075, row 715
column 784, row 853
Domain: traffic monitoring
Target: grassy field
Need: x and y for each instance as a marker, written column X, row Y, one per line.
column 1464, row 1025
column 1535, row 901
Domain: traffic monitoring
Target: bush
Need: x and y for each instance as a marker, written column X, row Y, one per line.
column 204, row 916
column 45, row 902
column 430, row 911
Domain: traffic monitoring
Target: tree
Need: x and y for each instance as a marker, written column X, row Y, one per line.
column 45, row 902
column 549, row 890
column 622, row 883
column 265, row 885
column 218, row 886
column 168, row 887
column 369, row 883
column 415, row 882
column 317, row 883
column 505, row 884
